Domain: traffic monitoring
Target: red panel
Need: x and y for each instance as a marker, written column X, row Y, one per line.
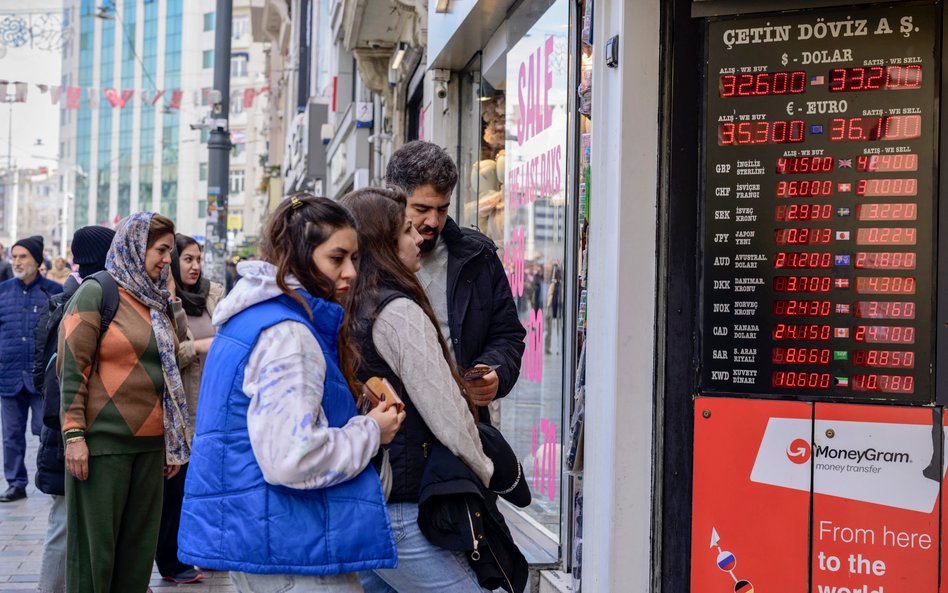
column 741, row 448
column 875, row 513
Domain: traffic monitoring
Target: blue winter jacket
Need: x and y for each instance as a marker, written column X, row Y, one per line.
column 20, row 307
column 234, row 520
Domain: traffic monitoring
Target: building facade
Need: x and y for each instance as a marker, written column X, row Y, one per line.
column 143, row 148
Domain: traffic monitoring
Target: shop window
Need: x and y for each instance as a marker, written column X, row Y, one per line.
column 521, row 187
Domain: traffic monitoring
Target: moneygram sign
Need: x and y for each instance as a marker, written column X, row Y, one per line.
column 857, row 463
column 863, row 455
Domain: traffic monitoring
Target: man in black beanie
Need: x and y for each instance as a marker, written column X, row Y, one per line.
column 22, row 299
column 90, row 245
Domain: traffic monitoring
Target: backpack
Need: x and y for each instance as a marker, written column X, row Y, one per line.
column 50, row 464
column 44, row 373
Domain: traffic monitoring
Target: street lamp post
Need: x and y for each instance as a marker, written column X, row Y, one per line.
column 11, row 172
column 218, row 144
column 67, row 195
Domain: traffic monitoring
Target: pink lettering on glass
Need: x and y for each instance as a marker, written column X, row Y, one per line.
column 514, row 260
column 544, row 458
column 535, row 78
column 537, row 178
column 531, row 368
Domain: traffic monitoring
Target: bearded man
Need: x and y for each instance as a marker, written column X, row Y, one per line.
column 22, row 299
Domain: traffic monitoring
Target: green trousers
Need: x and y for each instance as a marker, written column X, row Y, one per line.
column 112, row 523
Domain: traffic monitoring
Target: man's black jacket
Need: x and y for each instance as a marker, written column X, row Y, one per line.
column 456, row 512
column 482, row 314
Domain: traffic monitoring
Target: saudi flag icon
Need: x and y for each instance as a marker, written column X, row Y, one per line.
column 840, row 355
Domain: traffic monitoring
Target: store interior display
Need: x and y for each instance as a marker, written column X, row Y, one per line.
column 487, row 174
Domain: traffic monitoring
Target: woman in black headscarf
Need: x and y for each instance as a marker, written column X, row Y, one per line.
column 199, row 296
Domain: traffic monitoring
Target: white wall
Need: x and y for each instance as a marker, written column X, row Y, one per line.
column 621, row 301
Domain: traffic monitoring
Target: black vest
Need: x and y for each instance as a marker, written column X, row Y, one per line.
column 408, row 452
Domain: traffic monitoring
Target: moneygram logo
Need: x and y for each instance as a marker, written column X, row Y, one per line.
column 860, row 455
column 798, row 451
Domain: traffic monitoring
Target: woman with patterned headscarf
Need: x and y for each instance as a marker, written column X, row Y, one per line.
column 125, row 414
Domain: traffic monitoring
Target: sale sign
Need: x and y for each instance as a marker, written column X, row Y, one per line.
column 536, row 113
column 836, row 498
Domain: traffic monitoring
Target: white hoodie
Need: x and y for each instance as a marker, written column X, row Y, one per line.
column 284, row 377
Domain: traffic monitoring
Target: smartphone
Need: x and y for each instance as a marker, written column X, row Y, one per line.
column 378, row 386
column 478, row 372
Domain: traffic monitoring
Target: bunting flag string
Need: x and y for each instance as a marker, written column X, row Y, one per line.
column 122, row 98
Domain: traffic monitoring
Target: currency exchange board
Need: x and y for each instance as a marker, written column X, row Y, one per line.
column 819, row 204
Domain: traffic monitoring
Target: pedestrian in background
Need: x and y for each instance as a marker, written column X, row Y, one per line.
column 125, row 422
column 6, row 270
column 22, row 299
column 89, row 245
column 199, row 297
column 281, row 491
column 396, row 331
column 461, row 274
column 60, row 271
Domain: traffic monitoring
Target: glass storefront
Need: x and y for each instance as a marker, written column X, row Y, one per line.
column 513, row 187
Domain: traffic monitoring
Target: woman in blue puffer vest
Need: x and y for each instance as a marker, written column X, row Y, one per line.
column 280, row 489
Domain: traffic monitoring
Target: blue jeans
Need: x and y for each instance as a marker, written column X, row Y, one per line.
column 422, row 566
column 53, row 569
column 246, row 582
column 14, row 410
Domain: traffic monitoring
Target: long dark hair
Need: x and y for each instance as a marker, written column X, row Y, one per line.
column 381, row 217
column 300, row 224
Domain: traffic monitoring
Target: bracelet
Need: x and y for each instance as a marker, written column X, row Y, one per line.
column 516, row 482
column 75, row 439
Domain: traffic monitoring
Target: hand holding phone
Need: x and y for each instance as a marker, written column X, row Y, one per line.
column 478, row 372
column 378, row 390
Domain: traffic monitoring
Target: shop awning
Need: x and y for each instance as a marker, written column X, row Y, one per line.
column 456, row 35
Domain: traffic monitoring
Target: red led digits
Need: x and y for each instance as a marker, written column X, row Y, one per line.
column 884, row 309
column 884, row 359
column 887, row 187
column 803, row 259
column 889, row 127
column 760, row 132
column 885, row 285
column 804, row 164
column 885, row 260
column 803, row 236
column 801, row 331
column 800, row 355
column 875, row 78
column 887, row 163
column 802, row 308
column 884, row 383
column 884, row 334
column 792, row 212
column 906, row 211
column 800, row 379
column 804, row 188
column 802, row 283
column 886, row 236
column 762, row 84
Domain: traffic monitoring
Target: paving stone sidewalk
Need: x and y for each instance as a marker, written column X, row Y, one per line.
column 23, row 530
